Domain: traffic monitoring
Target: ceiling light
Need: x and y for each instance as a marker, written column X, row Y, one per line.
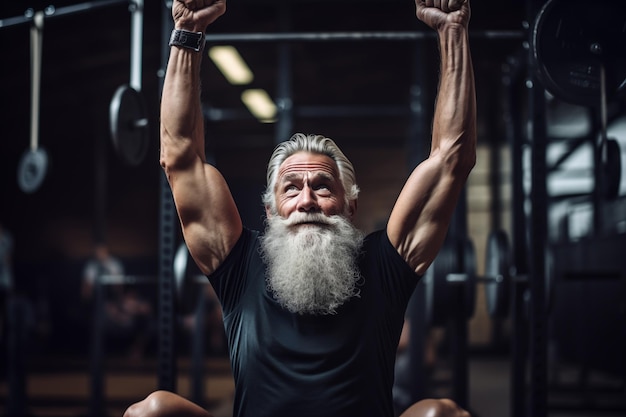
column 231, row 64
column 260, row 105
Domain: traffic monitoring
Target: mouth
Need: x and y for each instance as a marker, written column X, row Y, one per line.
column 309, row 224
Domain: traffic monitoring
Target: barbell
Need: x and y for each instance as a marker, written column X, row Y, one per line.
column 453, row 274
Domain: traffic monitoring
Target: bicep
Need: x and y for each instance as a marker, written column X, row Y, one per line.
column 420, row 218
column 208, row 215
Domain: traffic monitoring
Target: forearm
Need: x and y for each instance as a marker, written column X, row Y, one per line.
column 182, row 124
column 454, row 124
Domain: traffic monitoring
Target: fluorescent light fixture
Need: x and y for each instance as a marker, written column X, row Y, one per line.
column 231, row 64
column 260, row 104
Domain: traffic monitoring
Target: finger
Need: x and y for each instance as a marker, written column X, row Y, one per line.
column 197, row 4
column 454, row 5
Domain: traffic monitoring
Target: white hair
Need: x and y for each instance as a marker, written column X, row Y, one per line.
column 312, row 268
column 317, row 144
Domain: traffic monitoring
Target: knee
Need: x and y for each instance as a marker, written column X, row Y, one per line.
column 165, row 404
column 435, row 408
column 152, row 406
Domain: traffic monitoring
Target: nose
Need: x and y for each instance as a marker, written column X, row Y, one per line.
column 307, row 200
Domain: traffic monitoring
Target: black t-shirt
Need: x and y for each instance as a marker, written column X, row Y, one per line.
column 287, row 364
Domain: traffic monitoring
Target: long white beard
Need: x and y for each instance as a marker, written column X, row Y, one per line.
column 311, row 267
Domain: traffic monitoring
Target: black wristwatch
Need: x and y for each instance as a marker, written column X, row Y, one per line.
column 186, row 39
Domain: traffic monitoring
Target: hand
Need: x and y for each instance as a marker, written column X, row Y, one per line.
column 438, row 13
column 196, row 15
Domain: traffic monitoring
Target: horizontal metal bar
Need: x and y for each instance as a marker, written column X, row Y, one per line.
column 220, row 114
column 456, row 278
column 52, row 12
column 352, row 111
column 116, row 279
column 351, row 36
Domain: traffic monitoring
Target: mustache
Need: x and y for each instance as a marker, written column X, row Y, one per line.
column 297, row 218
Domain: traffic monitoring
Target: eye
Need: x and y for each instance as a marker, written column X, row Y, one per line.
column 323, row 189
column 290, row 189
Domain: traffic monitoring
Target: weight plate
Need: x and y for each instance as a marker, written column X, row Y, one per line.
column 497, row 266
column 32, row 170
column 186, row 288
column 129, row 125
column 439, row 303
column 572, row 40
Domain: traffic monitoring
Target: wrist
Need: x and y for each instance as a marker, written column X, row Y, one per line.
column 187, row 39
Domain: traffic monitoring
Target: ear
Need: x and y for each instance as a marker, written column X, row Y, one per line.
column 352, row 206
column 268, row 212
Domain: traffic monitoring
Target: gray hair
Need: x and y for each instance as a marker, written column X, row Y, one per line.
column 317, row 144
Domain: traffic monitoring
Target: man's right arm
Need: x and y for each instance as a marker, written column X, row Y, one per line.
column 208, row 215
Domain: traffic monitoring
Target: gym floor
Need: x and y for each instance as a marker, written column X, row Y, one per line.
column 60, row 387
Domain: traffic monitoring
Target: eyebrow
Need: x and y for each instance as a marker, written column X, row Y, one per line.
column 298, row 176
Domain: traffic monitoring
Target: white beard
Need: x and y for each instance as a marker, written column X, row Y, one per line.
column 311, row 267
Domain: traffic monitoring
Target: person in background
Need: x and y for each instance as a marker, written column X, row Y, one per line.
column 126, row 313
column 6, row 260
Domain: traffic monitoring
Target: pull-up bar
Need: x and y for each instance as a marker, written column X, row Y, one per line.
column 351, row 36
column 52, row 12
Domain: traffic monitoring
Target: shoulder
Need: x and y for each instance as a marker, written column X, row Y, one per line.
column 379, row 254
column 244, row 249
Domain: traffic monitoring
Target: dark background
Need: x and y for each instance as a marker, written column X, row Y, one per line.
column 86, row 57
column 89, row 194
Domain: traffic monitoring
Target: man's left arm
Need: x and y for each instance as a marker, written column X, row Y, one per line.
column 420, row 218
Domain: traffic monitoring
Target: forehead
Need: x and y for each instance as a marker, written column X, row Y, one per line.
column 306, row 162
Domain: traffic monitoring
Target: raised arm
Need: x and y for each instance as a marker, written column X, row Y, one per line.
column 420, row 218
column 209, row 218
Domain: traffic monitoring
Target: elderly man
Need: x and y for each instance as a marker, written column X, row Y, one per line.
column 313, row 310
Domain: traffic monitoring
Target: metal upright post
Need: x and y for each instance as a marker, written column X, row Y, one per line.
column 198, row 349
column 284, row 101
column 167, row 221
column 16, row 357
column 538, row 393
column 519, row 245
column 459, row 355
column 538, row 316
column 457, row 325
column 96, row 394
column 417, row 332
column 417, row 152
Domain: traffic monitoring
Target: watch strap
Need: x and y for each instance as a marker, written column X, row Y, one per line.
column 186, row 39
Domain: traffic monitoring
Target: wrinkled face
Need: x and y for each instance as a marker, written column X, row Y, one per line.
column 309, row 183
